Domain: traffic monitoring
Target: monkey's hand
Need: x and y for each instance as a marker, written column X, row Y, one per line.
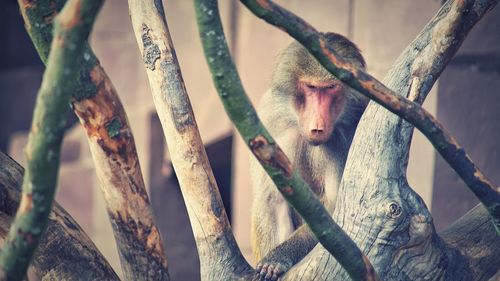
column 273, row 266
column 288, row 253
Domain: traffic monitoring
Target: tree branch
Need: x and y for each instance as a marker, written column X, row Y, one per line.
column 220, row 257
column 289, row 183
column 113, row 150
column 72, row 28
column 412, row 112
column 65, row 251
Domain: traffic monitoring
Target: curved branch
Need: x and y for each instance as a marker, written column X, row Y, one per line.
column 288, row 181
column 65, row 251
column 112, row 144
column 71, row 30
column 412, row 112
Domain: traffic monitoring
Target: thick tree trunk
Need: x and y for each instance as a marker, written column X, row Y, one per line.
column 65, row 251
column 385, row 217
column 471, row 238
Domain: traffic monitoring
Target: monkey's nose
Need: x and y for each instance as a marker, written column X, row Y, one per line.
column 317, row 131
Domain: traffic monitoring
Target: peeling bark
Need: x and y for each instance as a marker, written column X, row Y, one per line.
column 117, row 165
column 65, row 251
column 220, row 257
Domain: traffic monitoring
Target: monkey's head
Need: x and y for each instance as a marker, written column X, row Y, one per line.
column 321, row 102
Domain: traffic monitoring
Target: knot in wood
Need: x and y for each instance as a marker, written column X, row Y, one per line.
column 261, row 148
column 271, row 154
column 420, row 227
column 394, row 210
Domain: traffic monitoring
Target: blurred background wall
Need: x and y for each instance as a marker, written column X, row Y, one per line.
column 465, row 99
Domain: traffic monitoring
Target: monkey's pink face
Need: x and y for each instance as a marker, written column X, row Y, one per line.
column 319, row 104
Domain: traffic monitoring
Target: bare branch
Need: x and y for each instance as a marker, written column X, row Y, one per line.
column 220, row 257
column 421, row 63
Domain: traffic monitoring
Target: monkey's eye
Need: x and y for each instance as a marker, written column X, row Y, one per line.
column 311, row 87
column 331, row 87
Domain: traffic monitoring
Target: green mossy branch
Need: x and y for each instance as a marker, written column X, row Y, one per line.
column 38, row 18
column 290, row 184
column 71, row 30
column 410, row 111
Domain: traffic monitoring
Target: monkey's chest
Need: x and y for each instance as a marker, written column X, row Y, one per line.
column 315, row 182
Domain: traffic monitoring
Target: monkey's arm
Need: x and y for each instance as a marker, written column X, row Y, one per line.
column 288, row 253
column 271, row 218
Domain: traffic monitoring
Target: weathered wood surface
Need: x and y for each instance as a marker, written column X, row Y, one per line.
column 65, row 251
